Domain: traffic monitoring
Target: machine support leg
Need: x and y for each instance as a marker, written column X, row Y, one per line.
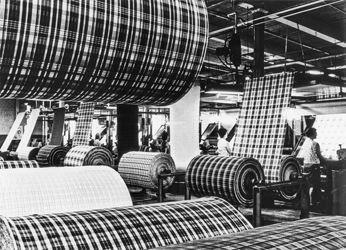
column 257, row 206
column 305, row 200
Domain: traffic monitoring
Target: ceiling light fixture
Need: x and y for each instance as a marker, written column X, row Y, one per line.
column 314, row 72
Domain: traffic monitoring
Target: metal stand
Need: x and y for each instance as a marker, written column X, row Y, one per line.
column 163, row 176
column 257, row 194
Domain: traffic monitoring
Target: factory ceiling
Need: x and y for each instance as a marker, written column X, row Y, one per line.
column 305, row 37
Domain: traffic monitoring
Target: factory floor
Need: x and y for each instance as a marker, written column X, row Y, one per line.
column 278, row 212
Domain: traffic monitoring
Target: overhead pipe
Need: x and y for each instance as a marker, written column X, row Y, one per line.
column 251, row 22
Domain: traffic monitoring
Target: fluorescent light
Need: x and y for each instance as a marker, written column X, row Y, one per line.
column 314, row 72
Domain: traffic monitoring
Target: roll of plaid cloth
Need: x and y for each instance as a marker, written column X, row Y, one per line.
column 51, row 155
column 88, row 156
column 57, row 190
column 19, row 164
column 28, row 153
column 231, row 178
column 125, row 228
column 126, row 51
column 142, row 169
column 318, row 233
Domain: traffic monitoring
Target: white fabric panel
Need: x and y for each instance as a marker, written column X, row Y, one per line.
column 330, row 134
column 57, row 189
column 12, row 132
column 31, row 122
column 184, row 134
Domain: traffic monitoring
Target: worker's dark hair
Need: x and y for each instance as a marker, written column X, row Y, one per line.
column 310, row 132
column 222, row 131
column 164, row 135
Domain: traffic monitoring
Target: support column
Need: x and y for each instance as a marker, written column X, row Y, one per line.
column 184, row 125
column 127, row 128
column 258, row 17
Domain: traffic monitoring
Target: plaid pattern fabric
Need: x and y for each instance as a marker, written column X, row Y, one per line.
column 84, row 122
column 223, row 176
column 58, row 126
column 318, row 233
column 330, row 134
column 261, row 124
column 27, row 153
column 19, row 164
column 141, row 169
column 51, row 155
column 128, row 51
column 57, row 190
column 88, row 156
column 139, row 227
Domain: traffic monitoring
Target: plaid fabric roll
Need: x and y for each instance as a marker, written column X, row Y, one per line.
column 28, row 153
column 290, row 169
column 142, row 169
column 226, row 177
column 88, row 156
column 19, row 164
column 318, row 233
column 55, row 190
column 261, row 125
column 127, row 51
column 51, row 155
column 84, row 123
column 139, row 227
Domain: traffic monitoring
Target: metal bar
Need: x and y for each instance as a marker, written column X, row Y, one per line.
column 305, row 200
column 160, row 191
column 257, row 206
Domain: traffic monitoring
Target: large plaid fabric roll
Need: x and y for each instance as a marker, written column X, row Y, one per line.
column 142, row 169
column 317, row 233
column 51, row 155
column 19, row 164
column 261, row 124
column 231, row 178
column 53, row 190
column 28, row 153
column 88, row 156
column 126, row 51
column 135, row 228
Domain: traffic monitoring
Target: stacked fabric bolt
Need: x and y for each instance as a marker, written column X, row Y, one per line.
column 136, row 227
column 55, row 190
column 28, row 153
column 51, row 155
column 231, row 178
column 142, row 169
column 19, row 164
column 88, row 156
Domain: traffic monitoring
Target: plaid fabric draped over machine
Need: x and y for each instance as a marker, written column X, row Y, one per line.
column 126, row 51
column 138, row 227
column 261, row 127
